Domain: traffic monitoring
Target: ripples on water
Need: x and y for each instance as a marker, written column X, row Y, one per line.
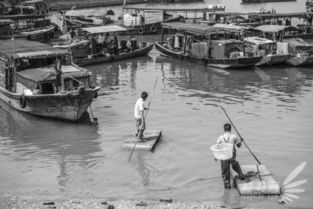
column 272, row 108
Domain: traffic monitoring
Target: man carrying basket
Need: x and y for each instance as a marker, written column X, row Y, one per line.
column 231, row 138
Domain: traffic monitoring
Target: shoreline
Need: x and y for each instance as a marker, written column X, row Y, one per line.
column 67, row 5
column 8, row 201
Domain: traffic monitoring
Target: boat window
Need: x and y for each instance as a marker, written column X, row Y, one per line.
column 47, row 88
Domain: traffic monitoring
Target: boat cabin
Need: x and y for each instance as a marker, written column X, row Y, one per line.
column 31, row 66
column 260, row 46
column 39, row 7
column 103, row 39
column 203, row 41
column 277, row 32
column 298, row 47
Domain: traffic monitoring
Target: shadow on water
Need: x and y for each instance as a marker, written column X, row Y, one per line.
column 43, row 140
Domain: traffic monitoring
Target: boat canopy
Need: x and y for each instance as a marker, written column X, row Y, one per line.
column 42, row 74
column 29, row 49
column 298, row 42
column 197, row 29
column 104, row 29
column 231, row 27
column 275, row 28
column 258, row 41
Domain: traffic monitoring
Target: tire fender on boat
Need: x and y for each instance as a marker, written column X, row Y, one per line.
column 22, row 101
column 153, row 29
column 96, row 95
column 140, row 31
column 82, row 90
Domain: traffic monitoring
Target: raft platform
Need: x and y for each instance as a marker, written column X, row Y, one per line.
column 259, row 181
column 149, row 142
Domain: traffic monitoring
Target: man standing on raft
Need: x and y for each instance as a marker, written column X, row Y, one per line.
column 228, row 137
column 139, row 114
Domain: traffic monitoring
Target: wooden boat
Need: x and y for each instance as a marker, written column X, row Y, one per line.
column 259, row 181
column 85, row 21
column 29, row 81
column 35, row 27
column 206, row 45
column 28, row 7
column 149, row 142
column 267, row 49
column 301, row 52
column 101, row 49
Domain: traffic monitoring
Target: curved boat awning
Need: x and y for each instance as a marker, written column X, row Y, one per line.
column 197, row 29
column 275, row 28
column 104, row 29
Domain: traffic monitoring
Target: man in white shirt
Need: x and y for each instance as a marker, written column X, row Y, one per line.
column 140, row 115
column 231, row 138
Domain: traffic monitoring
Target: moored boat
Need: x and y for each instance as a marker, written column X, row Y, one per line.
column 206, row 45
column 301, row 52
column 31, row 27
column 30, row 81
column 100, row 44
column 267, row 49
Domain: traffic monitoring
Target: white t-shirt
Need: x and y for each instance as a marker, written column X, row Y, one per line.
column 228, row 137
column 139, row 107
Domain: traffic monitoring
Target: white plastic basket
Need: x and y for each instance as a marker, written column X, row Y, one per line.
column 223, row 151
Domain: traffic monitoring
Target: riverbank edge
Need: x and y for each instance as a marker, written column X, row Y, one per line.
column 67, row 5
column 9, row 201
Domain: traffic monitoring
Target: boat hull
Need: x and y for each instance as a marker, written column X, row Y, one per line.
column 273, row 60
column 70, row 106
column 121, row 56
column 300, row 61
column 240, row 62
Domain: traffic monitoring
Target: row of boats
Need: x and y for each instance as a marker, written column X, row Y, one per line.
column 48, row 79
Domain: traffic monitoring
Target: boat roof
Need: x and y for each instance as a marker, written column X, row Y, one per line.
column 258, row 40
column 278, row 15
column 198, row 29
column 227, row 41
column 231, row 26
column 104, row 29
column 274, row 28
column 48, row 73
column 20, row 48
column 22, row 17
column 298, row 42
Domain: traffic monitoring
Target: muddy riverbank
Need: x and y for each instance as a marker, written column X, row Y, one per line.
column 8, row 201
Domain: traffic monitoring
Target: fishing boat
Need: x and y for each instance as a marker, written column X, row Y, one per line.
column 78, row 21
column 205, row 45
column 301, row 52
column 100, row 44
column 30, row 82
column 31, row 27
column 267, row 49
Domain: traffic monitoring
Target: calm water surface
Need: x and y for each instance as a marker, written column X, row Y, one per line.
column 272, row 108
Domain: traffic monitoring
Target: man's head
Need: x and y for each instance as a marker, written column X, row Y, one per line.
column 144, row 95
column 227, row 127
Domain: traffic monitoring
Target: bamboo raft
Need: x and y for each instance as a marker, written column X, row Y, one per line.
column 149, row 142
column 259, row 181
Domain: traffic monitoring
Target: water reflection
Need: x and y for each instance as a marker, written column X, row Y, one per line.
column 233, row 86
column 71, row 146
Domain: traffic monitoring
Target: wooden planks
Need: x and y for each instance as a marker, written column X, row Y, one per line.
column 150, row 140
column 255, row 184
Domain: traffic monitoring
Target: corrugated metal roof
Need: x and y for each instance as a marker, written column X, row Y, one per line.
column 298, row 42
column 231, row 26
column 198, row 29
column 23, row 48
column 104, row 29
column 274, row 28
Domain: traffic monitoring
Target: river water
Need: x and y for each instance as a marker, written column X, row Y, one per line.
column 271, row 108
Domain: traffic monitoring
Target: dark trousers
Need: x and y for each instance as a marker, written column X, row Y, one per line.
column 225, row 165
